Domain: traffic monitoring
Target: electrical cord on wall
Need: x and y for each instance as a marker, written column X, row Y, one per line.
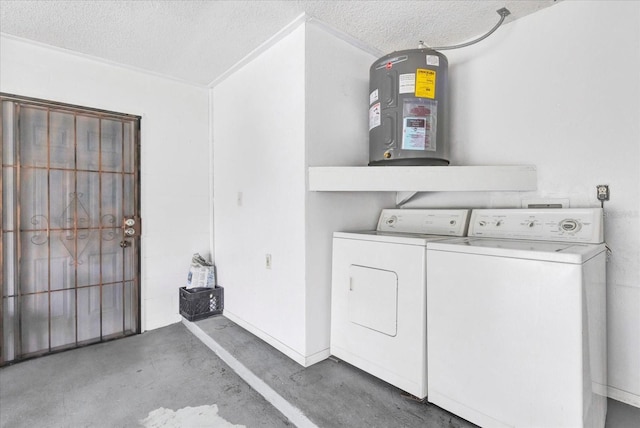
column 603, row 194
column 504, row 12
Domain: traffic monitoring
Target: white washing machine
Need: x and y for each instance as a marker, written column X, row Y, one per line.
column 378, row 294
column 516, row 319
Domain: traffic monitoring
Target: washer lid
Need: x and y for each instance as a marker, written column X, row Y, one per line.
column 563, row 252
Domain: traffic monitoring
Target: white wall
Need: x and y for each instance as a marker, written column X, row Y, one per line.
column 286, row 109
column 174, row 136
column 337, row 133
column 560, row 89
column 258, row 138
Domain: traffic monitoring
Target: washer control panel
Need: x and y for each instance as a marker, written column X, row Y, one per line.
column 449, row 222
column 569, row 225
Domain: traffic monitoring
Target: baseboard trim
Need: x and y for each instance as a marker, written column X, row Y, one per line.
column 285, row 349
column 623, row 396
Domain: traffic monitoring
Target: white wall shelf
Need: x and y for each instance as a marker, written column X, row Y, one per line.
column 422, row 178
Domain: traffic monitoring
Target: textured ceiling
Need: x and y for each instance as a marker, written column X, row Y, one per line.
column 197, row 41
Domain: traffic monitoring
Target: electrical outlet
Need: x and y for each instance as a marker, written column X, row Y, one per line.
column 603, row 192
column 267, row 261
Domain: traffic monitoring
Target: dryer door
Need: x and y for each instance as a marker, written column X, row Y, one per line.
column 373, row 299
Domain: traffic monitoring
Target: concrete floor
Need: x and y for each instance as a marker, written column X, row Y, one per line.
column 169, row 378
column 119, row 383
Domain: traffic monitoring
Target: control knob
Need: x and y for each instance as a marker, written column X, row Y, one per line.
column 570, row 225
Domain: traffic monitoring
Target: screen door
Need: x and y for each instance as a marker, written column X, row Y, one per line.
column 70, row 226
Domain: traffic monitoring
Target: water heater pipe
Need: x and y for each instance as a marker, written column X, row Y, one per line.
column 504, row 12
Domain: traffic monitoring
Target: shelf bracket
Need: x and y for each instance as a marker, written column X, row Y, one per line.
column 404, row 197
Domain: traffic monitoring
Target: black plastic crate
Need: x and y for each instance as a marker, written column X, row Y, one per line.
column 201, row 302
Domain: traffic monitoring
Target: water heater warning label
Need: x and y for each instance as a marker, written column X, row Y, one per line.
column 415, row 134
column 374, row 116
column 373, row 97
column 407, row 83
column 425, row 83
column 419, row 124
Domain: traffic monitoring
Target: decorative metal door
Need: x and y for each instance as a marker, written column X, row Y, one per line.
column 70, row 226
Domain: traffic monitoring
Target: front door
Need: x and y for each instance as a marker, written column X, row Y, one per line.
column 70, row 227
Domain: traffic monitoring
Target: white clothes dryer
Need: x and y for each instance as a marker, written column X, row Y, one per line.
column 378, row 295
column 516, row 319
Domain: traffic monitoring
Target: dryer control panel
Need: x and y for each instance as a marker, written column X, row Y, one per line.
column 583, row 225
column 449, row 222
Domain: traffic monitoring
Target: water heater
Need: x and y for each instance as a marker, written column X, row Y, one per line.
column 408, row 116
